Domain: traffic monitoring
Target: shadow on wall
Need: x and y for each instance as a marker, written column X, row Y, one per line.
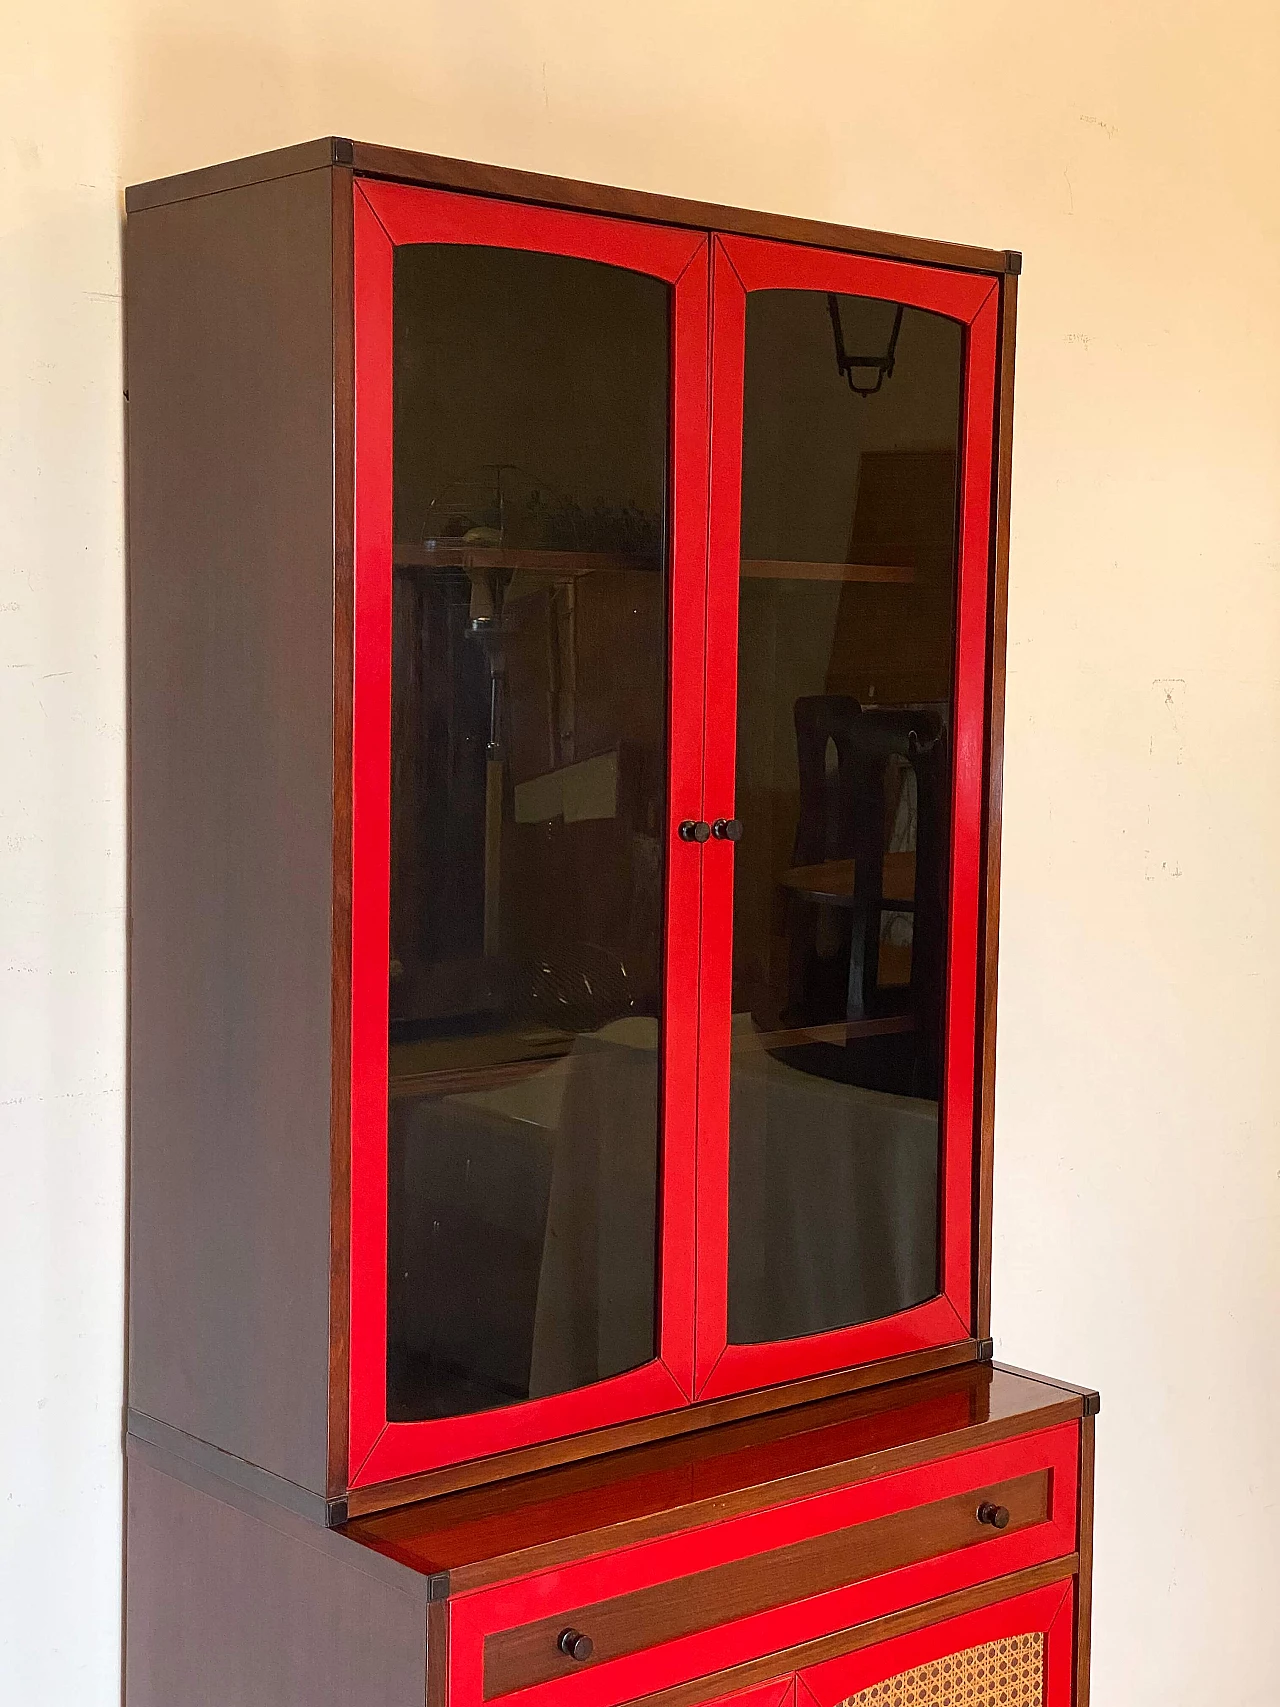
column 193, row 99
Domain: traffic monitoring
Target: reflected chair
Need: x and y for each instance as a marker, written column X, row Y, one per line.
column 843, row 753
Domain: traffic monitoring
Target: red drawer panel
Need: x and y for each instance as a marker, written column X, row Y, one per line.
column 668, row 1610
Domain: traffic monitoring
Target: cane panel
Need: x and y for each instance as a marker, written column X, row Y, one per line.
column 1006, row 1673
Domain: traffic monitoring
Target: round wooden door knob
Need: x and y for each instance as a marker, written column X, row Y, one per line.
column 576, row 1645
column 996, row 1515
column 694, row 830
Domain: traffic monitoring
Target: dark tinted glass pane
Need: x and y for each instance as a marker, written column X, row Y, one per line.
column 527, row 811
column 846, row 635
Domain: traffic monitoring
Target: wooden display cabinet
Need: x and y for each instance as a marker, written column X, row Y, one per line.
column 566, row 649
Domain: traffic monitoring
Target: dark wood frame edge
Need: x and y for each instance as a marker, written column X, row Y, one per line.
column 1002, row 476
column 437, row 1652
column 442, row 172
column 1084, row 1574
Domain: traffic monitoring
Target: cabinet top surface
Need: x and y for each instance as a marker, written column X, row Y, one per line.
column 510, row 1529
column 442, row 172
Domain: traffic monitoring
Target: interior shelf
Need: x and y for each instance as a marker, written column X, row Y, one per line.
column 833, row 879
column 780, row 569
column 561, row 563
column 535, row 562
column 841, row 1032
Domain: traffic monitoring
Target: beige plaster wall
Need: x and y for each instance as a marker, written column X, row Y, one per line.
column 1130, row 151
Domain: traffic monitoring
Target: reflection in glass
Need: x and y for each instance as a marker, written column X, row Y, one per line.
column 527, row 811
column 843, row 784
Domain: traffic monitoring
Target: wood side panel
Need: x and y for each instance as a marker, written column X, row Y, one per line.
column 237, row 174
column 519, row 1658
column 711, row 1689
column 990, row 955
column 244, row 1610
column 231, row 505
column 343, row 264
column 595, row 1443
column 1084, row 1578
column 441, row 172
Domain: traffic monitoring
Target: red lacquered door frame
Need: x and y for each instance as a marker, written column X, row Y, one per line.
column 1048, row 1611
column 740, row 265
column 387, row 215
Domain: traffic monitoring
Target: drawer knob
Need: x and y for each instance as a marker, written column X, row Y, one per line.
column 576, row 1645
column 727, row 829
column 694, row 830
column 996, row 1515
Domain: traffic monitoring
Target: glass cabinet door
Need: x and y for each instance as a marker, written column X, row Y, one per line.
column 533, row 477
column 852, row 412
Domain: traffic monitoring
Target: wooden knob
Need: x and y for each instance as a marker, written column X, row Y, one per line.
column 576, row 1645
column 695, row 830
column 996, row 1515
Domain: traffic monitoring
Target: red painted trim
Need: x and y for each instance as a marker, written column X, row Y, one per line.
column 414, row 215
column 1049, row 1610
column 739, row 1368
column 728, row 333
column 408, row 1449
column 565, row 1591
column 387, row 215
column 762, row 264
column 740, row 265
column 370, row 832
column 686, row 652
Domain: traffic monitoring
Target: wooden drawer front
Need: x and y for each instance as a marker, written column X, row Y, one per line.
column 517, row 1659
column 692, row 1603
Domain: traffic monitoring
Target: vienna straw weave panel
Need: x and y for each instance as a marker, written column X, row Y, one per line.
column 1007, row 1673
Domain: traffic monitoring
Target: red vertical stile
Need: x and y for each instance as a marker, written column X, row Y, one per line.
column 388, row 215
column 739, row 266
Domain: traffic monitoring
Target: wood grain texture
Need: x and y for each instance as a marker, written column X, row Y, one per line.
column 438, row 1654
column 240, row 1607
column 231, row 508
column 707, row 1690
column 538, row 1522
column 1089, row 1395
column 528, row 1655
column 988, row 967
column 440, row 172
column 504, row 1467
